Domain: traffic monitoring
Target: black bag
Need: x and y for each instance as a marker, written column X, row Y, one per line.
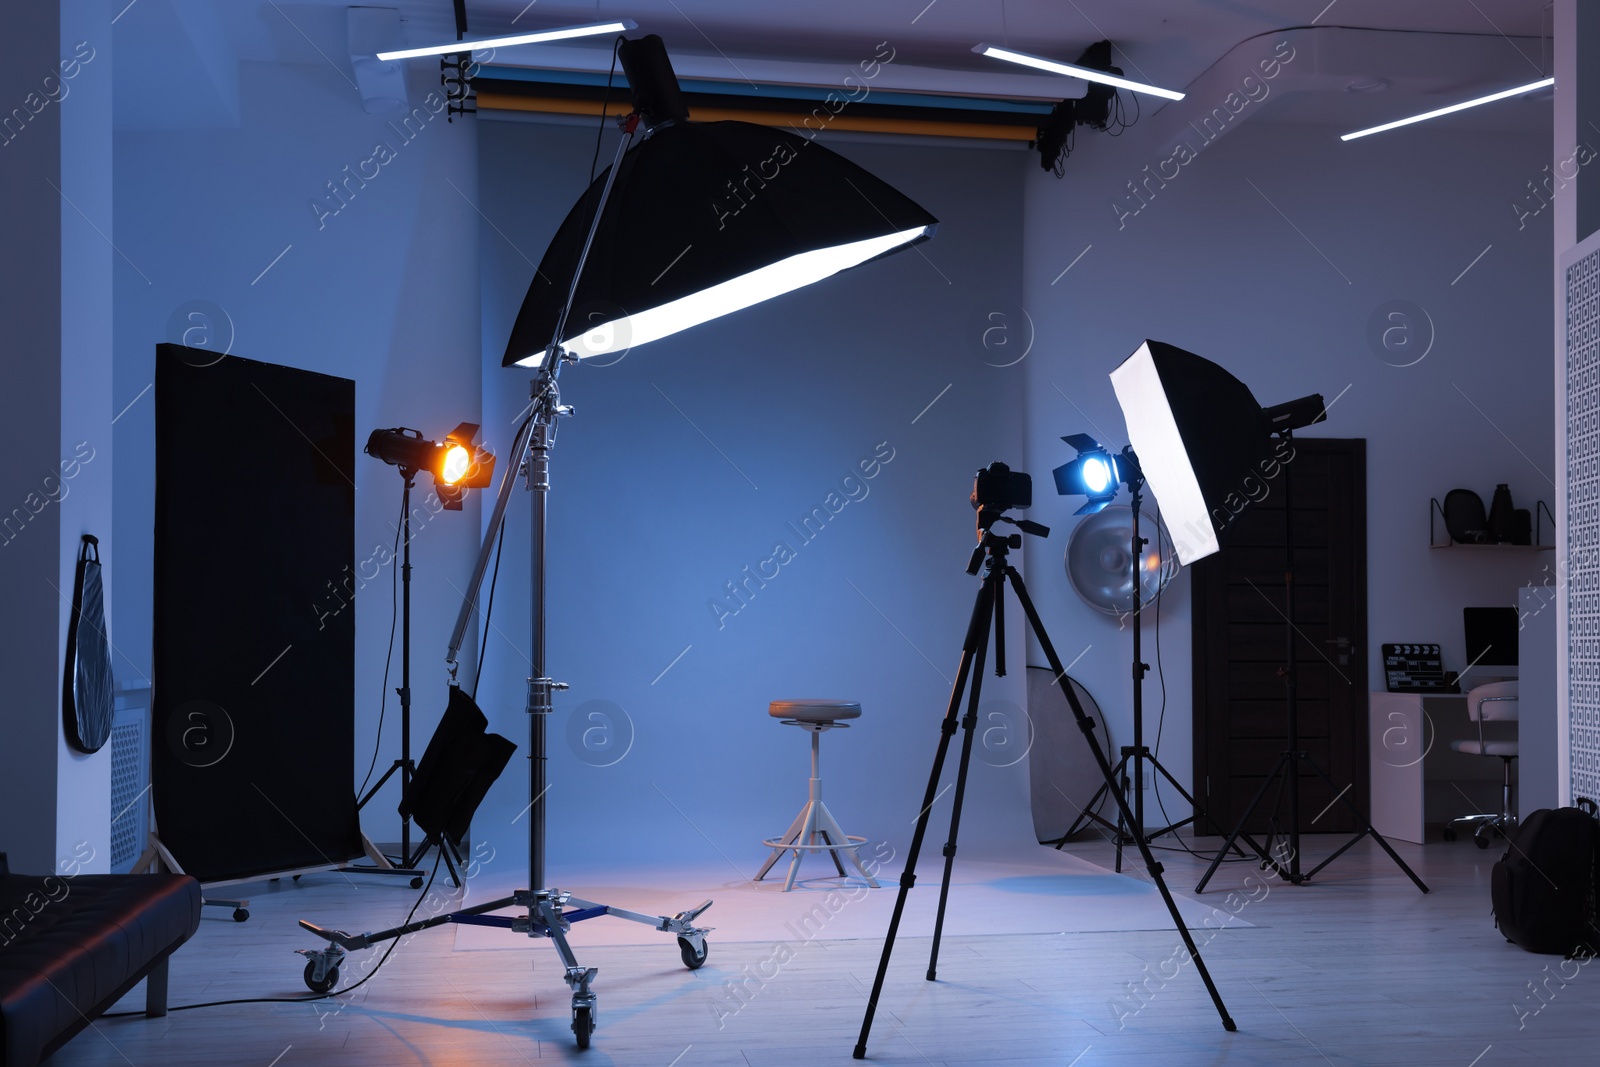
column 87, row 702
column 1544, row 887
column 461, row 762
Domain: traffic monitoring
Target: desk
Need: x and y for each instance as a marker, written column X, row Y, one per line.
column 1416, row 779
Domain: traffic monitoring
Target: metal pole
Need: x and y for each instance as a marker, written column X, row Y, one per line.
column 1291, row 671
column 470, row 603
column 549, row 370
column 539, row 686
column 1138, row 675
column 405, row 665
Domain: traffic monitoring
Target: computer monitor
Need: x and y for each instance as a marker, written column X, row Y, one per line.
column 1491, row 636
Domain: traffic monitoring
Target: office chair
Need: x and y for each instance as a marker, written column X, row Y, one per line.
column 1494, row 702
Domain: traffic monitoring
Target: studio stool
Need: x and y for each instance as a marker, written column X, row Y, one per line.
column 814, row 829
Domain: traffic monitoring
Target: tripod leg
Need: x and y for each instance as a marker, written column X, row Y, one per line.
column 1085, row 816
column 1086, row 724
column 967, row 727
column 977, row 637
column 1367, row 830
column 1189, row 800
column 1123, row 823
column 1238, row 831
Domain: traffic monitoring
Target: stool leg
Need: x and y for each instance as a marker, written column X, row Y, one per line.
column 791, row 836
column 822, row 828
column 825, row 818
column 807, row 837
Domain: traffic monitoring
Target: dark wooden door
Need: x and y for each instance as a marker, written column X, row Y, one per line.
column 1241, row 643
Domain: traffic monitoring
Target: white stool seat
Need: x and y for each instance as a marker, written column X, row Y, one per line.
column 814, row 710
column 815, row 829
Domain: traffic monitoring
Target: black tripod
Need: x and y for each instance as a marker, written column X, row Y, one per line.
column 1138, row 754
column 405, row 766
column 988, row 613
column 1286, row 772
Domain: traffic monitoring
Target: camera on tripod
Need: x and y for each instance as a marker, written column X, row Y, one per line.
column 999, row 487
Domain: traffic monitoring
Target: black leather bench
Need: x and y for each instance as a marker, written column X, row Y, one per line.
column 70, row 948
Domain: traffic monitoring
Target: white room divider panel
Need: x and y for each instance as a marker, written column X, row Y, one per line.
column 1581, row 279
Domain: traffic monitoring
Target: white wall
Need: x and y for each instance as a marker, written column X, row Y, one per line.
column 686, row 462
column 1280, row 293
column 55, row 298
column 384, row 292
column 83, row 783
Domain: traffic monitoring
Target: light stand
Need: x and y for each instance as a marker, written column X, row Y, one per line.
column 1137, row 754
column 404, row 766
column 456, row 466
column 988, row 616
column 547, row 913
column 827, row 216
column 1286, row 772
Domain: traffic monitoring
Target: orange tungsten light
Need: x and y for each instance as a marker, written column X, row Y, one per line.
column 456, row 465
column 457, row 462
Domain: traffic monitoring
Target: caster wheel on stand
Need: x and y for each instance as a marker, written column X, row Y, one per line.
column 692, row 959
column 240, row 915
column 329, row 980
column 583, row 1024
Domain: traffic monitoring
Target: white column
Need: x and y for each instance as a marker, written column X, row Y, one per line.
column 56, row 302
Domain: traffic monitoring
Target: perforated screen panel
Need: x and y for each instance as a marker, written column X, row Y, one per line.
column 1583, row 521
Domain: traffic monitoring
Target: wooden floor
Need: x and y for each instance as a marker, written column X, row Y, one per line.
column 1356, row 968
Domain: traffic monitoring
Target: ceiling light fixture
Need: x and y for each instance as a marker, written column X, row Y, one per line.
column 1491, row 98
column 1072, row 70
column 566, row 33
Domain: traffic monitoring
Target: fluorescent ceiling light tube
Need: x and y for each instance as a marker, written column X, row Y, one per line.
column 563, row 34
column 1491, row 98
column 763, row 284
column 1072, row 70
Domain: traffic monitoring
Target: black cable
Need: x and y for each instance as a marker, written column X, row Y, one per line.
column 1161, row 720
column 315, row 996
column 394, row 617
column 483, row 634
column 605, row 102
column 499, row 550
column 1118, row 122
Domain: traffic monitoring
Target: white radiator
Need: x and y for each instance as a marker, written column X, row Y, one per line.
column 130, row 778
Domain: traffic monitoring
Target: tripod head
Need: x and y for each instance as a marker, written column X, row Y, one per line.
column 997, row 489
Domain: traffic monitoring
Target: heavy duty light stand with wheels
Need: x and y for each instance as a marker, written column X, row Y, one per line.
column 1286, row 772
column 547, row 913
column 988, row 615
column 1137, row 754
